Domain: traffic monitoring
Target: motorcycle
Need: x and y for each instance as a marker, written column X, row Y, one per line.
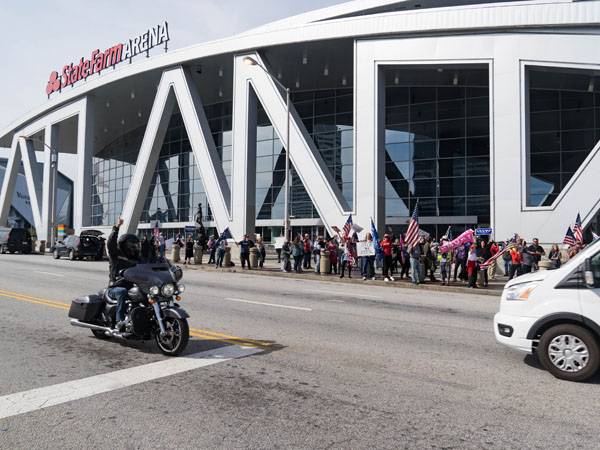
column 152, row 309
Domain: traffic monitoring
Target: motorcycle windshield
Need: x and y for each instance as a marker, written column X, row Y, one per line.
column 147, row 275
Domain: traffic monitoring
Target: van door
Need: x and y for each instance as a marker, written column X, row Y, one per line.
column 590, row 297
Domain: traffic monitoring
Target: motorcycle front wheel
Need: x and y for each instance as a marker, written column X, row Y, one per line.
column 176, row 337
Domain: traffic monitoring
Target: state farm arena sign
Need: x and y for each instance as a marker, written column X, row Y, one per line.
column 99, row 61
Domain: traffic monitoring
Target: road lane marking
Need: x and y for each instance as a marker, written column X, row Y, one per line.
column 195, row 332
column 49, row 273
column 336, row 301
column 35, row 399
column 349, row 294
column 275, row 305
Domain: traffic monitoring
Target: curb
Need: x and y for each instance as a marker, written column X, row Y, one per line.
column 335, row 279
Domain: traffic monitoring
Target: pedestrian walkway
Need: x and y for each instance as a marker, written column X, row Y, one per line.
column 272, row 268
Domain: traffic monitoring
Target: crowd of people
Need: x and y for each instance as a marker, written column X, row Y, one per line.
column 471, row 264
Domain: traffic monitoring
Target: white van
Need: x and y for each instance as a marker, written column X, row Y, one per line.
column 556, row 315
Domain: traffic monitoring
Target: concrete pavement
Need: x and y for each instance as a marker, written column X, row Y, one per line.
column 344, row 366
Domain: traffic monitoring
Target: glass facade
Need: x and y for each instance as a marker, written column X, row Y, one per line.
column 564, row 126
column 327, row 116
column 437, row 143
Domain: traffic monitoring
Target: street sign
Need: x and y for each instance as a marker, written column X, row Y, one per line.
column 483, row 231
column 190, row 229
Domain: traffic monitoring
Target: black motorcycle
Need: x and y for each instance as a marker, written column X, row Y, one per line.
column 151, row 310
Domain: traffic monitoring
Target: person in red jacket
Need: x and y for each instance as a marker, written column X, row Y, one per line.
column 386, row 247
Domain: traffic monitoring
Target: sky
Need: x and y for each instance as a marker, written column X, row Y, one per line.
column 40, row 36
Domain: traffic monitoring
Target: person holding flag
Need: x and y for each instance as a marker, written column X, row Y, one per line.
column 221, row 246
column 414, row 249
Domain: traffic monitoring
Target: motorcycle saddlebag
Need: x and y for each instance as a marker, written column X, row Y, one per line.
column 85, row 309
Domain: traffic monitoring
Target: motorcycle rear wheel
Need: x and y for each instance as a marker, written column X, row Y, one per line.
column 176, row 340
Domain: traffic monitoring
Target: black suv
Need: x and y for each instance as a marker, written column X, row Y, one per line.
column 15, row 240
column 88, row 244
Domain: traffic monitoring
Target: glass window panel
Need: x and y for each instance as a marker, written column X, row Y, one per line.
column 479, row 106
column 264, row 164
column 545, row 163
column 576, row 100
column 425, row 168
column 570, row 161
column 344, row 121
column 546, row 183
column 545, row 121
column 543, row 100
column 304, row 109
column 451, row 109
column 451, row 93
column 577, row 119
column 478, row 146
column 478, row 186
column 346, row 155
column 478, row 206
column 323, row 124
column 452, row 187
column 264, row 132
column 425, row 131
column 346, row 139
column 422, row 95
column 398, row 133
column 545, row 142
column 451, row 206
column 453, row 167
column 451, row 128
column 424, row 150
column 450, row 148
column 344, row 103
column 324, row 106
column 423, row 112
column 395, row 96
column 398, row 114
column 478, row 166
column 478, row 126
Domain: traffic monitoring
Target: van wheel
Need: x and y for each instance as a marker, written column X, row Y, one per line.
column 569, row 352
column 55, row 254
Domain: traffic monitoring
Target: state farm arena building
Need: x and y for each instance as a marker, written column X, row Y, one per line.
column 488, row 114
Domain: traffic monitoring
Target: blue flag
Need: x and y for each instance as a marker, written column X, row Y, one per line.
column 375, row 235
column 226, row 234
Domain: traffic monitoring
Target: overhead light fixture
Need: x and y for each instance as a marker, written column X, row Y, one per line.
column 107, row 104
column 344, row 81
column 455, row 79
column 396, row 80
column 326, row 70
column 297, row 83
column 279, row 74
column 249, row 61
column 139, row 113
column 220, row 92
column 122, row 121
column 440, row 69
column 591, row 85
column 304, row 58
column 105, row 130
column 221, row 72
column 132, row 95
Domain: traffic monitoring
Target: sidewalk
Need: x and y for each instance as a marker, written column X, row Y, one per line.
column 271, row 268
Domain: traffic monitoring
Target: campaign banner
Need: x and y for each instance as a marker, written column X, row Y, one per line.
column 464, row 238
column 279, row 241
column 365, row 248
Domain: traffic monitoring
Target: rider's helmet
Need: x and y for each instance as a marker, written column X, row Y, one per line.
column 129, row 245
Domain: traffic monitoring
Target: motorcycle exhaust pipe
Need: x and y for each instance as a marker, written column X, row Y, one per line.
column 91, row 326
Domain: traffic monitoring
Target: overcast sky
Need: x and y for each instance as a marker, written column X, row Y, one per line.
column 40, row 36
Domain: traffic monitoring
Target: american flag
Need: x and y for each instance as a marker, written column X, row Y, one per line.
column 578, row 230
column 569, row 237
column 347, row 227
column 412, row 233
column 489, row 262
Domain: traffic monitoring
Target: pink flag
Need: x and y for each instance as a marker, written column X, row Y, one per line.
column 467, row 236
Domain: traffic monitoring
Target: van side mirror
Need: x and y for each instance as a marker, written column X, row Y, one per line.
column 588, row 274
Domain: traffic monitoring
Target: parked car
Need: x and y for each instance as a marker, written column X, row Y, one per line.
column 89, row 244
column 15, row 240
column 555, row 314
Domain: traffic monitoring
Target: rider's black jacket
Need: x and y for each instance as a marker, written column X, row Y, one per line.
column 117, row 261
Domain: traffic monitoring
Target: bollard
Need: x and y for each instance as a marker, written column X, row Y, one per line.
column 254, row 257
column 176, row 253
column 325, row 263
column 227, row 257
column 41, row 247
column 198, row 253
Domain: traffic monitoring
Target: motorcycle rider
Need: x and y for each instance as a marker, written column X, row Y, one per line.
column 123, row 253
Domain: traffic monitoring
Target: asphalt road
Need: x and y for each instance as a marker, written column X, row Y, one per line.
column 340, row 366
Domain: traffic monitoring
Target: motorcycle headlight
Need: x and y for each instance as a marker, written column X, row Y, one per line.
column 168, row 290
column 181, row 288
column 154, row 290
column 520, row 291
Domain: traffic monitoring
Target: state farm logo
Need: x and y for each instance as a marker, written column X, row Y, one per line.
column 99, row 61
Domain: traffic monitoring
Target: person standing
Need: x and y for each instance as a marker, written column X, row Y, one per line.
column 386, row 248
column 428, row 253
column 161, row 245
column 333, row 256
column 507, row 261
column 298, row 254
column 262, row 252
column 472, row 266
column 189, row 250
column 405, row 260
column 536, row 251
column 555, row 257
column 483, row 254
column 319, row 245
column 279, row 250
column 212, row 249
column 221, row 246
column 285, row 253
column 527, row 258
column 146, row 252
column 415, row 262
column 245, row 245
column 515, row 267
column 444, row 263
column 307, row 249
column 491, row 272
column 347, row 258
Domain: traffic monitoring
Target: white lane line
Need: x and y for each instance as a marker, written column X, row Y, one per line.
column 49, row 273
column 336, row 301
column 34, row 399
column 350, row 294
column 252, row 302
